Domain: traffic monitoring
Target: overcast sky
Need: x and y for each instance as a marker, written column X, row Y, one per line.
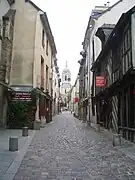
column 68, row 20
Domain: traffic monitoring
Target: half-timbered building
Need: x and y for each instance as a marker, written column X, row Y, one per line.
column 114, row 72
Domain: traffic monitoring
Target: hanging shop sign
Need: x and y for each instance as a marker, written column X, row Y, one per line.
column 100, row 81
column 60, row 100
column 75, row 99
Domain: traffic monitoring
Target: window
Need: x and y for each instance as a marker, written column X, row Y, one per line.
column 47, row 47
column 47, row 76
column 43, row 36
column 42, row 72
column 65, row 90
column 126, row 54
column 55, row 82
column 65, row 78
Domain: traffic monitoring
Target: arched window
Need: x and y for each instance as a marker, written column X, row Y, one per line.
column 65, row 78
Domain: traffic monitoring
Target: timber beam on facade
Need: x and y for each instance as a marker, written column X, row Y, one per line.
column 104, row 32
column 120, row 25
column 117, row 86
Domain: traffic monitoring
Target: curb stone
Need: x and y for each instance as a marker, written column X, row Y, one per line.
column 12, row 170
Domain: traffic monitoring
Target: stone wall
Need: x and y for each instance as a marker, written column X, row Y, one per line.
column 5, row 63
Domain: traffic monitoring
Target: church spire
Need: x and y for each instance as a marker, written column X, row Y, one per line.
column 66, row 64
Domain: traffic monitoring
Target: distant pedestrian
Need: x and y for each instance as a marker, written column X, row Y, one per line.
column 71, row 111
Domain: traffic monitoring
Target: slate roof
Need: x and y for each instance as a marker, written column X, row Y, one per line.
column 107, row 29
column 96, row 14
column 10, row 14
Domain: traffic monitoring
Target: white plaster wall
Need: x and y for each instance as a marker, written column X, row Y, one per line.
column 23, row 43
column 55, row 87
column 27, row 47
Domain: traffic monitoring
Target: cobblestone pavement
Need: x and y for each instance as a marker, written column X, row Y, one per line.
column 69, row 150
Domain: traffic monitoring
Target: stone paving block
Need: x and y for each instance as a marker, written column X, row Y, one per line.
column 69, row 150
column 13, row 167
column 9, row 176
column 2, row 172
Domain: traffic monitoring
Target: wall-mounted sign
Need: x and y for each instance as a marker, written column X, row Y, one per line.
column 21, row 88
column 21, row 96
column 100, row 81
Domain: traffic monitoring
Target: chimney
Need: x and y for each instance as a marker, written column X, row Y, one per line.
column 108, row 3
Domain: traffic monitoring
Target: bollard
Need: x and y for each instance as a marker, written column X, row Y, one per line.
column 25, row 131
column 36, row 125
column 13, row 144
column 98, row 127
column 89, row 123
column 116, row 140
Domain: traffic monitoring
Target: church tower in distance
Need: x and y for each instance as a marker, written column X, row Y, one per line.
column 66, row 83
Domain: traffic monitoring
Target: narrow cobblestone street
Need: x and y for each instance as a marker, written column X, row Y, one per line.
column 67, row 149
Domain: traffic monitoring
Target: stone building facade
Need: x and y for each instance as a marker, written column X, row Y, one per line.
column 74, row 101
column 33, row 52
column 7, row 16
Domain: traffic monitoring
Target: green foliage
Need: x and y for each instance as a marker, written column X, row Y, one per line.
column 35, row 94
column 22, row 113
